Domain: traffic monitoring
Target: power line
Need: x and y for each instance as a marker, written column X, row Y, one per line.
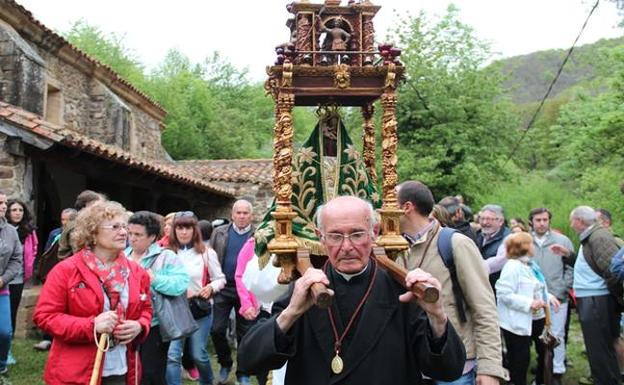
column 552, row 84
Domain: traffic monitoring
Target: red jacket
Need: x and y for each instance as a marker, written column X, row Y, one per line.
column 71, row 298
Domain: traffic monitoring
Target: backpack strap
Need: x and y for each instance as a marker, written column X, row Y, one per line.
column 445, row 249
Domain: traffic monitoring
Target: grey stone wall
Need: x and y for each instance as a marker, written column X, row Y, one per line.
column 260, row 196
column 88, row 106
column 22, row 72
column 15, row 173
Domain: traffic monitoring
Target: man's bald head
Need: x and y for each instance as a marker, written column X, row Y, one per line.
column 348, row 204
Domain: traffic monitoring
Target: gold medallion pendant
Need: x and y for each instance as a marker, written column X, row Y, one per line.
column 336, row 364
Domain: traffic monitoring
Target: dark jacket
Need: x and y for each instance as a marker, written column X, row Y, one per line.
column 11, row 252
column 465, row 228
column 392, row 344
column 219, row 240
column 489, row 249
column 599, row 248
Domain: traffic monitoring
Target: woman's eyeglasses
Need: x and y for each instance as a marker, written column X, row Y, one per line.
column 116, row 227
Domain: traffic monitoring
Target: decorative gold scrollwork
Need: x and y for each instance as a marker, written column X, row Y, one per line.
column 342, row 77
column 287, row 74
column 389, row 147
column 391, row 77
column 368, row 141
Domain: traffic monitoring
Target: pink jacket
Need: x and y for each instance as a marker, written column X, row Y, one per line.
column 31, row 244
column 247, row 299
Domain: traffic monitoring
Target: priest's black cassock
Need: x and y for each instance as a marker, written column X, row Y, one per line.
column 389, row 343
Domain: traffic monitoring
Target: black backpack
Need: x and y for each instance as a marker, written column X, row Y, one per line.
column 445, row 249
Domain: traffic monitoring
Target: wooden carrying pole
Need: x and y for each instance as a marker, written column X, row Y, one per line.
column 95, row 374
column 321, row 295
column 427, row 292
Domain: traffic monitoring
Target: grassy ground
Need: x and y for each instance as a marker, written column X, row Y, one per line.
column 30, row 363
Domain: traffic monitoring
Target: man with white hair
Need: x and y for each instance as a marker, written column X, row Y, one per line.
column 227, row 241
column 374, row 332
column 595, row 288
column 493, row 232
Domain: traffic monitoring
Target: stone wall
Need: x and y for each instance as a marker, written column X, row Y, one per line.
column 260, row 196
column 145, row 142
column 22, row 72
column 15, row 173
column 28, row 73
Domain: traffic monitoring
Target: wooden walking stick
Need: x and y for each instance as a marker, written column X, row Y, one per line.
column 427, row 292
column 550, row 342
column 95, row 374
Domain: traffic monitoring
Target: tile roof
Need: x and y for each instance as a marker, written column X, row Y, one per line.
column 24, row 22
column 232, row 170
column 35, row 123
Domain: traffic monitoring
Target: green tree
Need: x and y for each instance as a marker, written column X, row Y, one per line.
column 455, row 126
column 109, row 49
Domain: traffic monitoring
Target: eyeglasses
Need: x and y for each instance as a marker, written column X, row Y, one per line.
column 116, row 227
column 489, row 219
column 185, row 214
column 336, row 239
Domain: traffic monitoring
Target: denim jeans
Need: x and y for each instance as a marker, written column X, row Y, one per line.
column 467, row 379
column 5, row 330
column 199, row 351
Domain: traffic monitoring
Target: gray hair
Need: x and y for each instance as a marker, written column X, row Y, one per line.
column 372, row 214
column 69, row 211
column 496, row 209
column 243, row 202
column 585, row 214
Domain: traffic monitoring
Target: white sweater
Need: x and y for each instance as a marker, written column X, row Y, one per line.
column 515, row 292
column 194, row 264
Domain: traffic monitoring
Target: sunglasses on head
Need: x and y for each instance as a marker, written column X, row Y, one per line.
column 185, row 214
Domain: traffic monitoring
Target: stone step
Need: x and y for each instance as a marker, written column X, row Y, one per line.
column 24, row 326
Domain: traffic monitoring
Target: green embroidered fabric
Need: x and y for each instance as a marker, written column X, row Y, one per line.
column 314, row 177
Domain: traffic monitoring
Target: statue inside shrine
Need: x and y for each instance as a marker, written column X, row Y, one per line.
column 336, row 38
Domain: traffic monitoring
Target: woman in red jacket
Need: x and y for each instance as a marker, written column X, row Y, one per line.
column 95, row 291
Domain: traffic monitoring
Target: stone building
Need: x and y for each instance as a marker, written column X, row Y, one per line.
column 68, row 123
column 250, row 179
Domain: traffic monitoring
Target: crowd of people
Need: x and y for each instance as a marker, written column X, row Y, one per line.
column 125, row 283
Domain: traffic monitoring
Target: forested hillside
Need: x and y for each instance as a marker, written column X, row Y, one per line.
column 527, row 77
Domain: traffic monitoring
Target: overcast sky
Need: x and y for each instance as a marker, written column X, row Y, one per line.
column 246, row 31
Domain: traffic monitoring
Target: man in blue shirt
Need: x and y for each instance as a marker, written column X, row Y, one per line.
column 597, row 306
column 227, row 240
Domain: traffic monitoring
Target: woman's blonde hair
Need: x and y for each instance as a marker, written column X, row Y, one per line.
column 518, row 245
column 90, row 218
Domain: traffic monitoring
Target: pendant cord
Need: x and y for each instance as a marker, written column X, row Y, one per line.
column 338, row 340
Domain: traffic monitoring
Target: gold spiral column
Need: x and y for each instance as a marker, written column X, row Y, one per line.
column 390, row 238
column 368, row 141
column 284, row 241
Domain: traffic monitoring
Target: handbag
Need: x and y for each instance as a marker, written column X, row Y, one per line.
column 174, row 315
column 201, row 307
column 47, row 261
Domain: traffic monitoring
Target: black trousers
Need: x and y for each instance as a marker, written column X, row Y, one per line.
column 519, row 354
column 154, row 358
column 15, row 290
column 600, row 323
column 224, row 302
